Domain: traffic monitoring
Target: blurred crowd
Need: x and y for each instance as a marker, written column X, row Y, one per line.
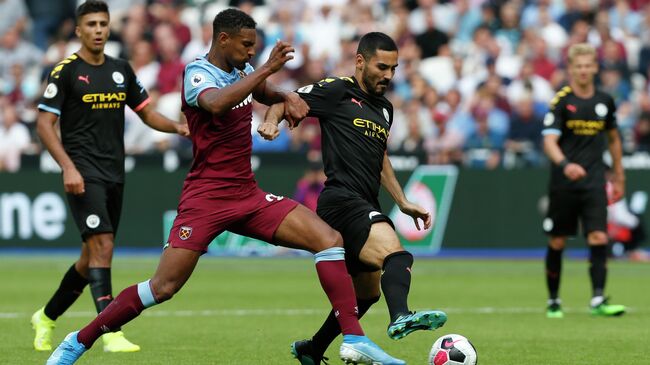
column 472, row 87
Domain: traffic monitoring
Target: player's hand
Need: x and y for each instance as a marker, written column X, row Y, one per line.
column 618, row 187
column 295, row 109
column 417, row 212
column 268, row 130
column 279, row 56
column 574, row 172
column 73, row 182
column 182, row 129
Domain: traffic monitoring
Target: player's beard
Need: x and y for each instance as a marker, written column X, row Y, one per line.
column 372, row 85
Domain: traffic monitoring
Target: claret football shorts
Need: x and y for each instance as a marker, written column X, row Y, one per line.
column 205, row 212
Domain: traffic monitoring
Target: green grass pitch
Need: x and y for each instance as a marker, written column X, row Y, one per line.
column 248, row 311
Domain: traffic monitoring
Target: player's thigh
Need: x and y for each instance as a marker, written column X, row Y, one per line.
column 114, row 204
column 382, row 241
column 353, row 217
column 303, row 229
column 201, row 218
column 594, row 213
column 174, row 269
column 90, row 210
column 563, row 212
column 367, row 284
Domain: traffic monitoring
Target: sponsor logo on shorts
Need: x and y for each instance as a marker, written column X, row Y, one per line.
column 373, row 214
column 272, row 197
column 547, row 224
column 185, row 232
column 92, row 221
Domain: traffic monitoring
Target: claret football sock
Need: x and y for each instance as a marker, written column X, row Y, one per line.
column 337, row 284
column 331, row 329
column 126, row 306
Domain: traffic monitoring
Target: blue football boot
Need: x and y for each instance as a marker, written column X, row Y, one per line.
column 68, row 352
column 359, row 350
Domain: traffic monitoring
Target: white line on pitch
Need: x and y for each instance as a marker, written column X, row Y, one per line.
column 302, row 312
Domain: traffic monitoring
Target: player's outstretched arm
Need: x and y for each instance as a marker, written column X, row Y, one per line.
column 615, row 149
column 390, row 183
column 161, row 123
column 220, row 100
column 73, row 182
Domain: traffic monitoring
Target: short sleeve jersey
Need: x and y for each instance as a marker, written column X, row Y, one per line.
column 89, row 101
column 354, row 130
column 222, row 144
column 582, row 125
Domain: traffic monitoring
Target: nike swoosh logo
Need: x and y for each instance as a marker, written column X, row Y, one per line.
column 447, row 344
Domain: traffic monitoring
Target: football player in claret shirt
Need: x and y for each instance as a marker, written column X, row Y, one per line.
column 355, row 121
column 86, row 94
column 220, row 193
column 580, row 124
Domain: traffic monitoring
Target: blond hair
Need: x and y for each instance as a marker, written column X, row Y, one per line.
column 581, row 49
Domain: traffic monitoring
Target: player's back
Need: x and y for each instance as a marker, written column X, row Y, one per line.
column 222, row 144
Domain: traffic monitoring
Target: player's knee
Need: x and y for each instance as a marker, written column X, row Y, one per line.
column 557, row 243
column 330, row 238
column 100, row 246
column 336, row 238
column 82, row 266
column 597, row 238
column 164, row 291
column 82, row 262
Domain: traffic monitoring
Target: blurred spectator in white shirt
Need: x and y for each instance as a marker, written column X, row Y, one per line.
column 14, row 50
column 144, row 63
column 13, row 15
column 198, row 46
column 14, row 138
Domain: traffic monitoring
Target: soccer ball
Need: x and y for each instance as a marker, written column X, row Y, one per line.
column 452, row 350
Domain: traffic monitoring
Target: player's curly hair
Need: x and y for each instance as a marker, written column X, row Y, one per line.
column 373, row 41
column 91, row 6
column 231, row 21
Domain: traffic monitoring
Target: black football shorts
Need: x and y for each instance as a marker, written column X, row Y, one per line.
column 568, row 207
column 98, row 209
column 353, row 217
